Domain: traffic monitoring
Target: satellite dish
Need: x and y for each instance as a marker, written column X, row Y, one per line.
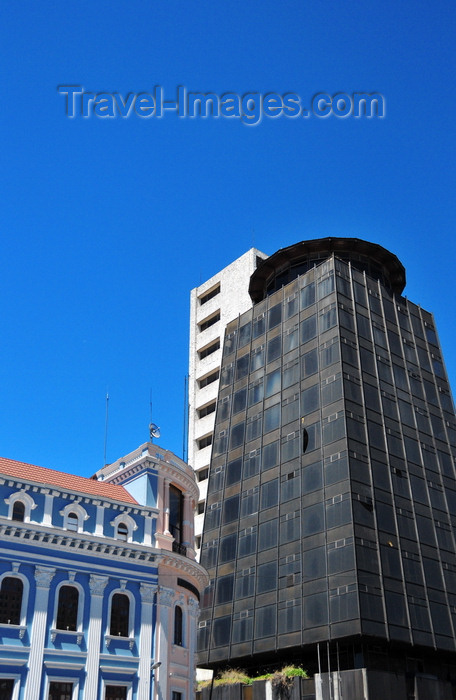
column 154, row 431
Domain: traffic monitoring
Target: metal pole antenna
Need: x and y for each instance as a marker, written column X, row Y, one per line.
column 106, row 428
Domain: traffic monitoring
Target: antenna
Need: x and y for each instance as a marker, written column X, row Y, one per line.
column 154, row 431
column 106, row 428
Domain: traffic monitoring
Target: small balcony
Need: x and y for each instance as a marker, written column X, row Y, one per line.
column 178, row 548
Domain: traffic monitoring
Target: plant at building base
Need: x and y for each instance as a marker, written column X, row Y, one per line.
column 282, row 681
column 229, row 677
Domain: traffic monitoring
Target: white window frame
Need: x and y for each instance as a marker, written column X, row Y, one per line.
column 79, row 511
column 80, row 616
column 124, row 684
column 126, row 520
column 17, row 682
column 26, row 499
column 50, row 678
column 131, row 616
column 25, row 595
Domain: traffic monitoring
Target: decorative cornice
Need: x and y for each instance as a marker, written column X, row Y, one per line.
column 91, row 544
column 188, row 566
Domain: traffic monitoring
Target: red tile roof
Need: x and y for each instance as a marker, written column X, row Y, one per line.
column 51, row 477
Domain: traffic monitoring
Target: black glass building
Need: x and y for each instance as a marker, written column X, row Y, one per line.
column 329, row 532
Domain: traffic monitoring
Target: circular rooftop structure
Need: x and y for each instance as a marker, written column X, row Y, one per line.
column 288, row 263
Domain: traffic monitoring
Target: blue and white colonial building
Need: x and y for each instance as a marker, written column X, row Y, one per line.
column 99, row 587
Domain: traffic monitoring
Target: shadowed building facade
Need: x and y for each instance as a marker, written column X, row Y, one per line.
column 329, row 528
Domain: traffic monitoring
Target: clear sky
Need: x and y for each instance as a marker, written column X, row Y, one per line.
column 108, row 223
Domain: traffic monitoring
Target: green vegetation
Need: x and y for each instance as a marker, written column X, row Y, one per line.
column 281, row 680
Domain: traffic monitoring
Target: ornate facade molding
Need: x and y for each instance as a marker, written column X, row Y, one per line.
column 193, row 607
column 97, row 584
column 148, row 592
column 44, row 576
column 166, row 596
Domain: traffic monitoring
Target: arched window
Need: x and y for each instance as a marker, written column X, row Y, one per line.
column 122, row 532
column 20, row 506
column 124, row 526
column 67, row 608
column 18, row 511
column 11, row 594
column 72, row 522
column 178, row 626
column 74, row 516
column 120, row 615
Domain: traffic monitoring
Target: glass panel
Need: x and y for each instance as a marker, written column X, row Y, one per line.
column 274, row 316
column 308, row 329
column 272, row 418
column 227, row 548
column 257, row 359
column 244, row 334
column 308, row 295
column 274, row 348
column 270, row 494
column 247, row 542
column 265, row 621
column 237, row 435
column 310, row 399
column 271, row 455
column 267, row 577
column 290, row 340
column 273, row 381
column 239, row 400
column 326, row 286
column 242, row 367
column 309, row 363
column 313, row 519
column 221, row 631
column 233, row 471
column 231, row 509
column 267, row 535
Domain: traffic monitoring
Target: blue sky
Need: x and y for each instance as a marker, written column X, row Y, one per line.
column 108, row 223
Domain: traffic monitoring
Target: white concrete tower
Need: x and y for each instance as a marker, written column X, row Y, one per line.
column 212, row 305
